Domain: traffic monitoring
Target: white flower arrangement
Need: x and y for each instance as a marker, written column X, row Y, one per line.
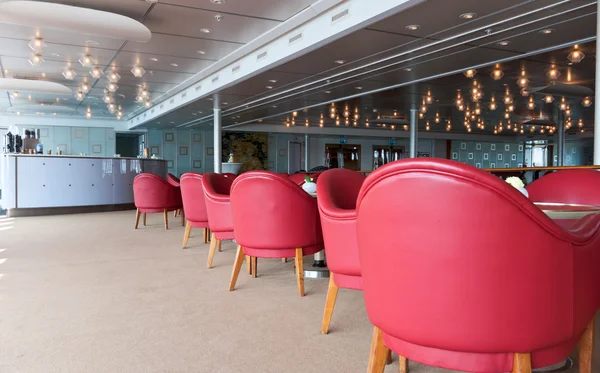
column 515, row 181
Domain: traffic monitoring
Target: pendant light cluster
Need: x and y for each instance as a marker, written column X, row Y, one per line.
column 36, row 45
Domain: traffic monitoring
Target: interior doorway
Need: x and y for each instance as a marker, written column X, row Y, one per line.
column 129, row 144
column 294, row 157
column 343, row 156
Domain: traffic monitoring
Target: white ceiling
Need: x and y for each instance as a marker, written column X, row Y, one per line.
column 176, row 40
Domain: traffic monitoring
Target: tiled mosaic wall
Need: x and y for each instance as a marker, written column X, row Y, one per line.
column 185, row 151
column 577, row 153
column 488, row 154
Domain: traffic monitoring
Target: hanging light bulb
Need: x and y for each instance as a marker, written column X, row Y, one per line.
column 356, row 114
column 530, row 103
column 437, row 117
column 423, row 107
column 36, row 44
column 347, row 121
column 293, row 121
column 568, row 111
column 321, row 121
column 523, row 81
column 332, row 111
column 367, row 122
column 493, row 106
column 113, row 77
column 477, row 110
column 475, row 89
column 108, row 98
column 421, row 115
column 427, row 126
column 69, row 73
column 459, row 100
column 88, row 113
column 86, row 60
column 112, row 87
column 548, row 99
column 497, row 74
column 563, row 104
column 148, row 103
column 15, row 94
column 461, row 107
column 587, row 102
column 524, row 92
column 506, row 115
column 337, row 120
column 294, row 114
column 553, row 72
column 429, row 98
column 85, row 87
column 80, row 96
column 346, row 111
column 96, row 72
column 112, row 108
column 470, row 73
column 507, row 97
column 138, row 71
column 287, row 122
column 36, row 59
column 580, row 123
column 510, row 108
column 576, row 55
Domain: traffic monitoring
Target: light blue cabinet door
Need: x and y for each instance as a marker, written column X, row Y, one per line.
column 62, row 140
column 97, row 142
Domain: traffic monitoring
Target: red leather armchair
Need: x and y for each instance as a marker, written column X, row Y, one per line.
column 174, row 180
column 216, row 193
column 273, row 218
column 338, row 190
column 194, row 205
column 577, row 186
column 463, row 272
column 151, row 194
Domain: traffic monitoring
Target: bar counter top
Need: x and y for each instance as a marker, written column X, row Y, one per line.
column 79, row 156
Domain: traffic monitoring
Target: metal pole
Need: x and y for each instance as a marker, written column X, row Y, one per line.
column 597, row 96
column 217, row 134
column 414, row 128
column 306, row 152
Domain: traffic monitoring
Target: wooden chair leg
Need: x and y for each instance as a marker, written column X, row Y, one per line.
column 522, row 363
column 586, row 348
column 378, row 354
column 254, row 267
column 175, row 213
column 166, row 219
column 237, row 265
column 299, row 261
column 144, row 219
column 284, row 260
column 137, row 218
column 332, row 293
column 213, row 248
column 389, row 359
column 249, row 264
column 205, row 234
column 186, row 236
column 182, row 218
column 220, row 248
column 403, row 365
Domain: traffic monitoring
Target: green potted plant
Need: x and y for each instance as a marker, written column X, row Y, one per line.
column 309, row 185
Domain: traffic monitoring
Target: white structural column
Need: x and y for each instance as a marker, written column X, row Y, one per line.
column 597, row 96
column 217, row 133
column 414, row 129
column 560, row 142
column 306, row 152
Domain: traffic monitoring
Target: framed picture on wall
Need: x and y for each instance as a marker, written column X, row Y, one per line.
column 210, row 151
column 96, row 148
column 493, row 147
column 183, row 150
column 196, row 137
column 499, row 157
column 513, row 157
column 574, row 150
column 506, row 165
column 506, row 147
column 169, row 137
column 170, row 164
column 470, row 155
column 492, row 165
column 155, row 150
column 478, row 165
column 521, row 147
column 477, row 146
column 282, row 152
column 197, row 163
column 44, row 132
column 454, row 155
column 486, row 156
column 463, row 146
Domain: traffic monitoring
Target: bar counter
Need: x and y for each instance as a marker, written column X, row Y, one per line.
column 36, row 184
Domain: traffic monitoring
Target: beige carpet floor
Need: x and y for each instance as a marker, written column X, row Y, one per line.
column 88, row 293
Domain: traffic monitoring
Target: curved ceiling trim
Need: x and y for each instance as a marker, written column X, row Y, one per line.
column 73, row 19
column 39, row 86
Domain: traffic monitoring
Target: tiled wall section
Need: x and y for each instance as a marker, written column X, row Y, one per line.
column 93, row 141
column 488, row 154
column 185, row 150
column 577, row 153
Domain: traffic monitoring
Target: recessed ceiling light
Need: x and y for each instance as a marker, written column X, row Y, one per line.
column 339, row 62
column 468, row 15
column 272, row 81
column 503, row 43
column 547, row 31
column 210, row 99
column 218, row 2
column 205, row 30
column 174, row 64
column 359, row 88
column 92, row 43
column 172, row 122
column 413, row 27
column 43, row 75
column 56, row 54
column 275, row 106
column 154, row 59
column 194, row 114
column 225, row 103
column 407, row 69
column 327, row 92
column 201, row 52
column 269, row 87
column 152, row 1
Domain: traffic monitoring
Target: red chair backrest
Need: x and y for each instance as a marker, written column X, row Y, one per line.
column 230, row 175
column 272, row 212
column 337, row 191
column 153, row 192
column 567, row 186
column 298, row 178
column 216, row 192
column 173, row 180
column 192, row 193
column 457, row 259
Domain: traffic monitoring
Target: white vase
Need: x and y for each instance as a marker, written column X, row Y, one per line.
column 310, row 187
column 524, row 191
